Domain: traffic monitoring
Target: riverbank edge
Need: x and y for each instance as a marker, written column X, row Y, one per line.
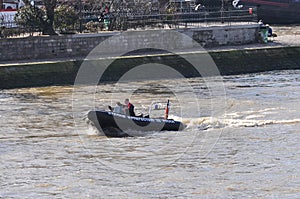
column 229, row 62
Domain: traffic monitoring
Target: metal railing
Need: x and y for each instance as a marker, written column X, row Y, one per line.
column 177, row 20
column 198, row 19
column 11, row 30
column 118, row 21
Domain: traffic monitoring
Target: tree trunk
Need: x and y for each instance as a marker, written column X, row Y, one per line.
column 1, row 4
column 48, row 28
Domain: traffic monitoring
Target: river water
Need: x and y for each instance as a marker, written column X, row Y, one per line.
column 240, row 142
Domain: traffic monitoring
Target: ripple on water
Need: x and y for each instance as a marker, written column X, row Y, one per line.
column 250, row 151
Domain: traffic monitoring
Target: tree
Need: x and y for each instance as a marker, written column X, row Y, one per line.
column 27, row 17
column 38, row 17
column 65, row 18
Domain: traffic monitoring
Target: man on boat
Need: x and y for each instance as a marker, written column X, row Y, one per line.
column 119, row 108
column 130, row 108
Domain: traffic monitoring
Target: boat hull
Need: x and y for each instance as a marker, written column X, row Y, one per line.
column 275, row 12
column 117, row 125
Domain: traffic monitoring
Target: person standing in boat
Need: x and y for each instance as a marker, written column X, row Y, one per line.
column 119, row 108
column 130, row 108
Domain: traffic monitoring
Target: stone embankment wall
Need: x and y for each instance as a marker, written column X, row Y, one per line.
column 79, row 45
column 229, row 62
column 45, row 73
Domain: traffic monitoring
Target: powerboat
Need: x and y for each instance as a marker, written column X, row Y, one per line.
column 119, row 125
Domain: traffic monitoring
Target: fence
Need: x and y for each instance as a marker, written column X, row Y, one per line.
column 177, row 20
column 181, row 20
column 92, row 22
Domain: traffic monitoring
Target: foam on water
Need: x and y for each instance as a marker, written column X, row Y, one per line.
column 92, row 130
column 217, row 123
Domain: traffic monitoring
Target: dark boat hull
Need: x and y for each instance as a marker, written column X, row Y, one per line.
column 278, row 16
column 275, row 12
column 117, row 125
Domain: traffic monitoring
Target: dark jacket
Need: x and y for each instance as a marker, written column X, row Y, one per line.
column 131, row 109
